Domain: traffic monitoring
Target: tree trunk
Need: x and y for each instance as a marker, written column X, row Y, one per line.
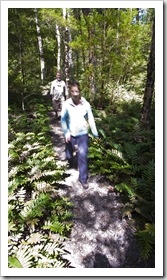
column 103, row 47
column 58, row 47
column 92, row 56
column 22, row 72
column 81, row 32
column 23, row 81
column 118, row 24
column 70, row 54
column 42, row 62
column 66, row 50
column 145, row 115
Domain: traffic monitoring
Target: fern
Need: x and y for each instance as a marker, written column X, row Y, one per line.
column 38, row 251
column 21, row 195
column 146, row 240
column 13, row 262
column 131, row 153
column 149, row 174
column 33, row 174
column 32, row 223
column 22, row 258
column 35, row 238
column 125, row 188
column 56, row 227
column 43, row 186
column 11, row 226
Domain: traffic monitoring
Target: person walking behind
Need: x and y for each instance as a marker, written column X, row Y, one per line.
column 59, row 93
column 76, row 118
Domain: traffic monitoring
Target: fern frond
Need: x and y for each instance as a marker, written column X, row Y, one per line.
column 13, row 262
column 149, row 174
column 32, row 223
column 24, row 256
column 42, row 186
column 13, row 155
column 125, row 187
column 35, row 238
column 45, row 262
column 146, row 240
column 56, row 237
column 27, row 208
column 150, row 228
column 55, row 227
column 118, row 154
column 53, row 248
column 13, row 171
column 67, row 214
column 17, row 182
column 11, row 226
column 21, row 194
column 131, row 153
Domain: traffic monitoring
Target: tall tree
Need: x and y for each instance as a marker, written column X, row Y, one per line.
column 41, row 53
column 66, row 51
column 58, row 47
column 22, row 54
column 109, row 49
column 149, row 90
column 91, row 29
column 70, row 54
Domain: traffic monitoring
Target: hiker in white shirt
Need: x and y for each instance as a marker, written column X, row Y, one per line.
column 76, row 118
column 59, row 93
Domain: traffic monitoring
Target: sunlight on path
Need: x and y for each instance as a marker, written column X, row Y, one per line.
column 100, row 237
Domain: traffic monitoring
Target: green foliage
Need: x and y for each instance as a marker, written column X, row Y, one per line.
column 125, row 156
column 38, row 251
column 110, row 49
column 146, row 240
column 14, row 262
column 23, row 53
column 35, row 211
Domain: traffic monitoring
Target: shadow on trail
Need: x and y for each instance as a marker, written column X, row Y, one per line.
column 100, row 237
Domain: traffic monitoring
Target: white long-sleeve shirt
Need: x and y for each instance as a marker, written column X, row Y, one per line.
column 76, row 119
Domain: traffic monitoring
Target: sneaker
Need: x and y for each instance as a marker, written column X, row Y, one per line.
column 85, row 185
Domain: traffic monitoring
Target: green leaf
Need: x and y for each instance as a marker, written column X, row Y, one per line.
column 55, row 227
column 14, row 262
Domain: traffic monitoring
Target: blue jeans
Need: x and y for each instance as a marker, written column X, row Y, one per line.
column 82, row 143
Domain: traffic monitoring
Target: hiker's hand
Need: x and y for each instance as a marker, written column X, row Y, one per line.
column 68, row 137
column 97, row 138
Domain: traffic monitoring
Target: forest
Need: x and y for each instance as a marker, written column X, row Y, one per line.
column 111, row 53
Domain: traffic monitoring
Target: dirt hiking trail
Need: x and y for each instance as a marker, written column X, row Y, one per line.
column 101, row 237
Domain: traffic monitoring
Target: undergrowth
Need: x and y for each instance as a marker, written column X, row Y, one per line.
column 125, row 156
column 39, row 219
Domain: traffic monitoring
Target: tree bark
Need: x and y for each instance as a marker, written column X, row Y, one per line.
column 70, row 53
column 66, row 39
column 42, row 62
column 92, row 57
column 145, row 115
column 58, row 47
column 22, row 74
